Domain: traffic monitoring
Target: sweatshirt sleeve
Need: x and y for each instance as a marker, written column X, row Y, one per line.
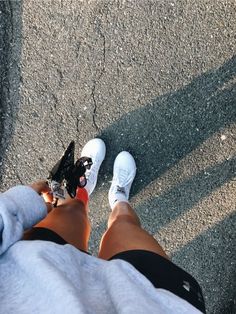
column 20, row 208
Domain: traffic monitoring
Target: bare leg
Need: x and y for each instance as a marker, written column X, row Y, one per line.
column 125, row 233
column 70, row 221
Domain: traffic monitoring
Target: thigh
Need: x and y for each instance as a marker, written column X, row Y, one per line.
column 124, row 234
column 70, row 222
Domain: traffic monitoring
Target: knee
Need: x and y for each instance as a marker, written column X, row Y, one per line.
column 122, row 219
column 73, row 207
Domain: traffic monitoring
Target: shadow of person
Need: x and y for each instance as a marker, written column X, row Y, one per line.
column 171, row 126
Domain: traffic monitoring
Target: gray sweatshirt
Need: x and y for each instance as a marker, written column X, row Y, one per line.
column 44, row 277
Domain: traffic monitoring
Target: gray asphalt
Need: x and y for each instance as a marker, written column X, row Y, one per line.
column 156, row 78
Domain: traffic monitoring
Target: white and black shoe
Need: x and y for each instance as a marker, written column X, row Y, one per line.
column 96, row 150
column 124, row 172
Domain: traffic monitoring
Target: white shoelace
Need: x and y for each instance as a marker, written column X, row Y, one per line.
column 121, row 179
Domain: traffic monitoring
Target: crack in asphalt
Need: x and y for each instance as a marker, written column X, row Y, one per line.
column 18, row 177
column 58, row 130
column 97, row 81
column 54, row 110
column 77, row 124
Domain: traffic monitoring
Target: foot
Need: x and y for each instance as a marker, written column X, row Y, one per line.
column 124, row 172
column 96, row 150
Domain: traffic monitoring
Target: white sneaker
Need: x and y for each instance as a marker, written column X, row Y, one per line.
column 96, row 150
column 124, row 172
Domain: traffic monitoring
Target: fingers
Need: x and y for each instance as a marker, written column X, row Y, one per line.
column 48, row 197
column 40, row 187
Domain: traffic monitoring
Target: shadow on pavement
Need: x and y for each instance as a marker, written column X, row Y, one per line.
column 164, row 131
column 205, row 253
column 185, row 195
column 10, row 75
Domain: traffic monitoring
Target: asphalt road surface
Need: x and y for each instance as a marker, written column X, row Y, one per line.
column 156, row 78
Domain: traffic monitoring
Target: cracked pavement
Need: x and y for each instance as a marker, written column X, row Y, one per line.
column 156, row 78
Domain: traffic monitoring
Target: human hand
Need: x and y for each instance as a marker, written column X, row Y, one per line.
column 42, row 188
